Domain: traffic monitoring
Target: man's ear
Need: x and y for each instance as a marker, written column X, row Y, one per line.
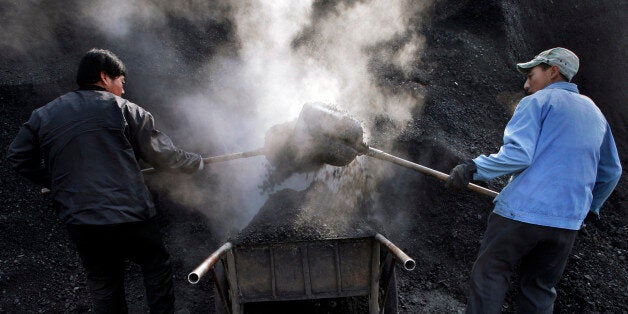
column 104, row 78
column 555, row 72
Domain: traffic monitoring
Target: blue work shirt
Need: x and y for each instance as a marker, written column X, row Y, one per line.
column 561, row 152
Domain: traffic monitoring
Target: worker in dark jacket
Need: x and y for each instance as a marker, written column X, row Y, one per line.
column 85, row 147
column 564, row 164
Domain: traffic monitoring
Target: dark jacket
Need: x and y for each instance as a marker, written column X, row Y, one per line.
column 85, row 146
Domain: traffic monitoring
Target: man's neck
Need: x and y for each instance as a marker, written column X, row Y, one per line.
column 92, row 87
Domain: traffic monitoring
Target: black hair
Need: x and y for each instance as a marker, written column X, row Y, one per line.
column 95, row 61
column 546, row 66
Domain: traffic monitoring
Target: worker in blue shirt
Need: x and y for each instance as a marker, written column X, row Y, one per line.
column 564, row 164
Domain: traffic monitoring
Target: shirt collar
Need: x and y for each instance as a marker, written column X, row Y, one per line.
column 91, row 87
column 563, row 85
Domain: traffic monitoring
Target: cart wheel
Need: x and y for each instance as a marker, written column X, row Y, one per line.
column 221, row 277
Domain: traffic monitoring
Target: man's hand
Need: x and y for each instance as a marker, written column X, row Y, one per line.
column 461, row 175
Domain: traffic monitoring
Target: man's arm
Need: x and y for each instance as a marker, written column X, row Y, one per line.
column 520, row 139
column 155, row 147
column 25, row 156
column 608, row 172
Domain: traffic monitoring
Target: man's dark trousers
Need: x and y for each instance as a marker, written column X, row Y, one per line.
column 543, row 253
column 104, row 250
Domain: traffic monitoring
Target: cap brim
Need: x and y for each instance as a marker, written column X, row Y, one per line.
column 524, row 67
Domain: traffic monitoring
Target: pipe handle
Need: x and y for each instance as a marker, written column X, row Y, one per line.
column 407, row 262
column 195, row 276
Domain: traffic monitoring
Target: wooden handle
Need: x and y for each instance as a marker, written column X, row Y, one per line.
column 252, row 153
column 207, row 160
column 210, row 160
column 376, row 153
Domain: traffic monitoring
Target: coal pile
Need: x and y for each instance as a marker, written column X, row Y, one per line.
column 309, row 215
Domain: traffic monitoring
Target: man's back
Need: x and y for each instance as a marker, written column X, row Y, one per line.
column 558, row 137
column 560, row 151
column 85, row 145
column 95, row 177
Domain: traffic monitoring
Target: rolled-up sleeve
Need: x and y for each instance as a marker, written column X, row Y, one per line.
column 155, row 147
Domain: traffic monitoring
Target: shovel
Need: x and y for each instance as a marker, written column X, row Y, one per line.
column 322, row 135
column 320, row 121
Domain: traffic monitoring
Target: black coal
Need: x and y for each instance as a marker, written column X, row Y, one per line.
column 315, row 213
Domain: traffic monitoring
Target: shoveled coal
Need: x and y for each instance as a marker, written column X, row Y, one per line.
column 315, row 213
column 322, row 135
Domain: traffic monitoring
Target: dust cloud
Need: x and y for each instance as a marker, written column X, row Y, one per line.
column 233, row 69
column 292, row 53
column 299, row 52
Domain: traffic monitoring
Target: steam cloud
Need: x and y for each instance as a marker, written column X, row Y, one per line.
column 281, row 55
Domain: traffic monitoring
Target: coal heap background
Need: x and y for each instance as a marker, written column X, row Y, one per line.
column 471, row 85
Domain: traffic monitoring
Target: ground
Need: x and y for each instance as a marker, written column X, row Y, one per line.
column 466, row 72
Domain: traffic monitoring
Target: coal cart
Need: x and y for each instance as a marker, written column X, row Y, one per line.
column 290, row 271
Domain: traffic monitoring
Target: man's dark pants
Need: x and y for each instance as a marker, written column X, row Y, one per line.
column 104, row 250
column 543, row 253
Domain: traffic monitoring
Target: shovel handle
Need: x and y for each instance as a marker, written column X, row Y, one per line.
column 221, row 158
column 248, row 154
column 207, row 160
column 376, row 153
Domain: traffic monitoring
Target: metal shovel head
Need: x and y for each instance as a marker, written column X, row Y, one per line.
column 325, row 135
column 280, row 151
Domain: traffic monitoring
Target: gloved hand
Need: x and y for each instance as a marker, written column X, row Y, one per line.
column 461, row 175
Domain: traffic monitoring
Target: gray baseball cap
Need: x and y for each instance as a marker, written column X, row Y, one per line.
column 567, row 61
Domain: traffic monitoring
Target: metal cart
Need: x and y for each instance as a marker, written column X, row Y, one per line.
column 330, row 268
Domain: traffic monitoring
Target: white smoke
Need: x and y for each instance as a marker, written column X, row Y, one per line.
column 288, row 53
column 289, row 57
column 116, row 18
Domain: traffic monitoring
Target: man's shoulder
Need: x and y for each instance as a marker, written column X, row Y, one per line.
column 76, row 96
column 126, row 104
column 54, row 104
column 537, row 99
column 70, row 101
column 107, row 96
column 547, row 95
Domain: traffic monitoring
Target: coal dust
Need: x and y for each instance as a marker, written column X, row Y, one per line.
column 217, row 75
